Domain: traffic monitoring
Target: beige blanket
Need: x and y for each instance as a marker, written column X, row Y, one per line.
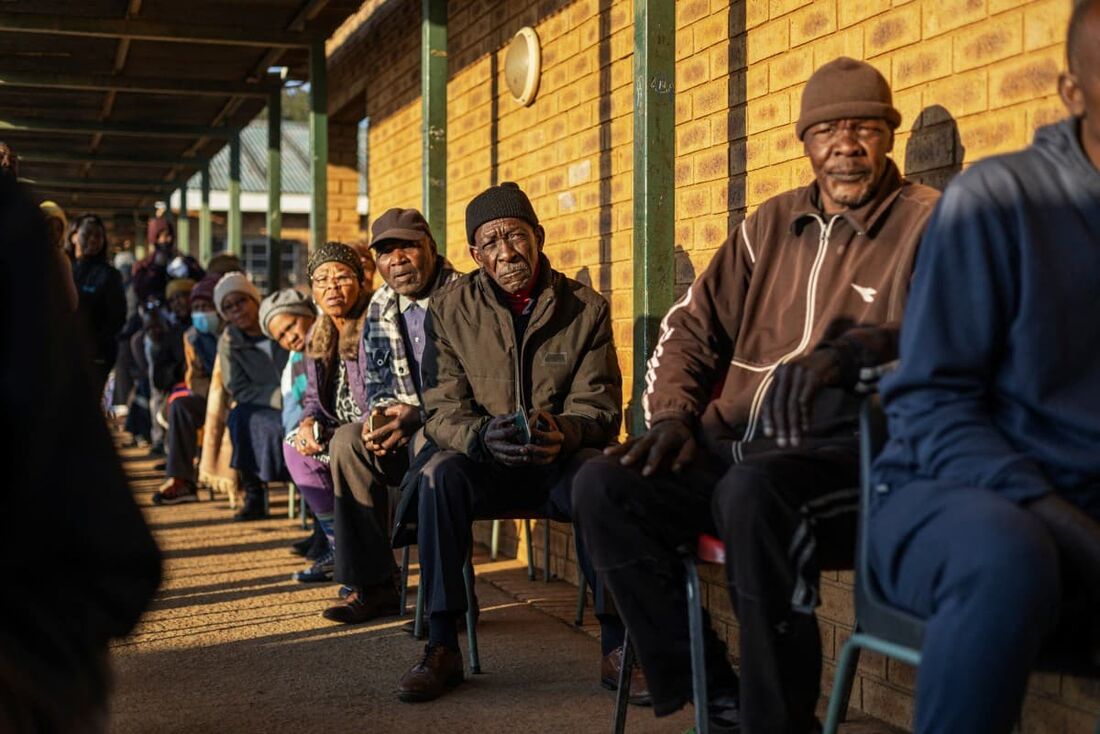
column 217, row 447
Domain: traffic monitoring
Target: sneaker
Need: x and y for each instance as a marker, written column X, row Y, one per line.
column 319, row 571
column 175, row 492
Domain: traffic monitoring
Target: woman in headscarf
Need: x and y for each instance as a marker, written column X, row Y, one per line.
column 335, row 387
column 101, row 306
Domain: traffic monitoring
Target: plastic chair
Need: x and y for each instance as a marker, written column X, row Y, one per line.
column 582, row 597
column 468, row 575
column 880, row 626
column 709, row 549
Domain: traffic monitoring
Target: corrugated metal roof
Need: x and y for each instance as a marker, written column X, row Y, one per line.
column 295, row 155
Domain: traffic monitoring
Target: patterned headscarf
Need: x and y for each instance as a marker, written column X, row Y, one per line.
column 336, row 252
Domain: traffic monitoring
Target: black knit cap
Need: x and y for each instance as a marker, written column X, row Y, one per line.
column 335, row 252
column 498, row 202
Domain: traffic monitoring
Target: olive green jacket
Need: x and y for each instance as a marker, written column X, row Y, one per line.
column 566, row 365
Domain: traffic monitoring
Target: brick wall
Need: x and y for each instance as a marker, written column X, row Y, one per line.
column 971, row 78
column 343, row 174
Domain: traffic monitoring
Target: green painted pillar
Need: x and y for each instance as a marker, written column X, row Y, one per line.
column 206, row 231
column 274, row 191
column 433, row 90
column 139, row 237
column 318, row 143
column 233, row 223
column 654, row 191
column 183, row 224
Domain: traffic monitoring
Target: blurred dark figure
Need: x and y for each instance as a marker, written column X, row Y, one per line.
column 57, row 224
column 102, row 301
column 9, row 163
column 60, row 467
column 152, row 274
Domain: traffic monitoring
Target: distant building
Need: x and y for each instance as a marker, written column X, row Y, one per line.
column 295, row 201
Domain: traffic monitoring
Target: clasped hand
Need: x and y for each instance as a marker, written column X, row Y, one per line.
column 504, row 440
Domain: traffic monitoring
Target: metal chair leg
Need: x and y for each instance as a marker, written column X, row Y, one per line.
column 402, row 602
column 494, row 544
column 698, row 654
column 530, row 550
column 546, row 549
column 622, row 697
column 842, row 686
column 582, row 592
column 291, row 489
column 418, row 622
column 471, row 624
column 302, row 510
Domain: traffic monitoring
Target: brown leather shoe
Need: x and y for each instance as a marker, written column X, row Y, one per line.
column 363, row 606
column 611, row 665
column 433, row 674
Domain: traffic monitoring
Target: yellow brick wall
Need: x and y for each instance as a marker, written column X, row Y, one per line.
column 971, row 77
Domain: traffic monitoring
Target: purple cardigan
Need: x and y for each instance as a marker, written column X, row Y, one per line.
column 313, row 406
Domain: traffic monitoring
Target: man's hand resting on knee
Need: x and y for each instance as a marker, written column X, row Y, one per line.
column 669, row 443
column 788, row 406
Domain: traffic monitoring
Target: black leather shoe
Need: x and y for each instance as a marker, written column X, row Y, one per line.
column 610, row 667
column 363, row 606
column 439, row 670
column 253, row 506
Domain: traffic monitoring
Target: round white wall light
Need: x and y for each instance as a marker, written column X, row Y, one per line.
column 523, row 66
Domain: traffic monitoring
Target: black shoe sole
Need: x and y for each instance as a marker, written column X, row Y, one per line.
column 364, row 620
column 633, row 700
column 417, row 697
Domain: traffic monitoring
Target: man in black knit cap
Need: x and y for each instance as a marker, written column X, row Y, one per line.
column 521, row 386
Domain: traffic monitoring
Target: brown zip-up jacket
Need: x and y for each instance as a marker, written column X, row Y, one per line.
column 565, row 364
column 787, row 280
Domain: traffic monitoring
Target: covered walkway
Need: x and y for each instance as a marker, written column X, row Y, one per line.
column 231, row 644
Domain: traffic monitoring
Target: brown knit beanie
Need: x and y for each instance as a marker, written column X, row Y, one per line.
column 846, row 88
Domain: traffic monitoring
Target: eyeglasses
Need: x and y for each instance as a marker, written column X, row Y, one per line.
column 864, row 132
column 516, row 239
column 339, row 281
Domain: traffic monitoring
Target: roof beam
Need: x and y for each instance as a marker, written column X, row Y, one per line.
column 145, row 30
column 136, row 159
column 139, row 129
column 149, row 85
column 98, row 184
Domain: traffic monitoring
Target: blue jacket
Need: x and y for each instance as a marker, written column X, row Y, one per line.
column 999, row 377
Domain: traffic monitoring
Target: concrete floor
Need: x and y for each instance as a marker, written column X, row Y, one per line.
column 231, row 644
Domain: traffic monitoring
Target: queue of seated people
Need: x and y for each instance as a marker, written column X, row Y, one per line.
column 499, row 391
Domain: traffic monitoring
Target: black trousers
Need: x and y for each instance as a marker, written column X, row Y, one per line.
column 361, row 520
column 456, row 490
column 186, row 415
column 783, row 516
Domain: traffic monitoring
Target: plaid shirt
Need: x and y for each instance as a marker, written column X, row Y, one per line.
column 389, row 375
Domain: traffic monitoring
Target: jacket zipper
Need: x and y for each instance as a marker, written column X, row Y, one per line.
column 807, row 330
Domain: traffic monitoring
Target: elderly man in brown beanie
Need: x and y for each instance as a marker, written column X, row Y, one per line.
column 751, row 409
